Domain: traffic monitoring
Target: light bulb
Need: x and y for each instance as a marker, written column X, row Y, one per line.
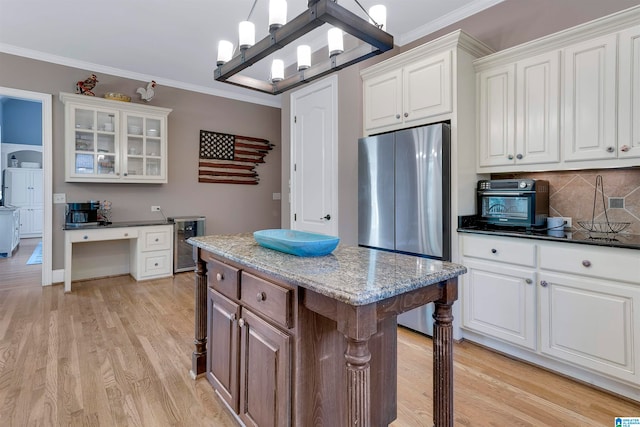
column 304, row 57
column 277, row 70
column 378, row 13
column 247, row 33
column 277, row 14
column 225, row 52
column 336, row 45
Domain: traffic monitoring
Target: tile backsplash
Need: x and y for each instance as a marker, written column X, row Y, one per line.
column 571, row 194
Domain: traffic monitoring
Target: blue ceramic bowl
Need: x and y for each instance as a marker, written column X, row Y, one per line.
column 294, row 242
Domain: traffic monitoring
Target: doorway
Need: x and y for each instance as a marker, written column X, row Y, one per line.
column 45, row 100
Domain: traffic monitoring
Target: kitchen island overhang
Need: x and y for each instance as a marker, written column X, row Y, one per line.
column 362, row 291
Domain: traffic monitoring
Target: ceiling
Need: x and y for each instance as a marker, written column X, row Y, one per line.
column 175, row 42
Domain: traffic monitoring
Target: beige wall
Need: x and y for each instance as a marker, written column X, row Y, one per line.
column 229, row 208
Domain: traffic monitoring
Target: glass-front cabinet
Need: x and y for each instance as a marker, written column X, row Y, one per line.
column 114, row 141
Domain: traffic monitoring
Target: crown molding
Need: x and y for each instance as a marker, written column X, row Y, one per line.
column 238, row 94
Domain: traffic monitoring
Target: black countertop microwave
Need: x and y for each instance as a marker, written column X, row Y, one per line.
column 513, row 202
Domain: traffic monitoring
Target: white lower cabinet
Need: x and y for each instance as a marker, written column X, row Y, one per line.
column 500, row 301
column 591, row 323
column 152, row 253
column 574, row 308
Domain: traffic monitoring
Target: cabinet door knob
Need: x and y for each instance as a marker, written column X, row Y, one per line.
column 232, row 317
column 494, row 251
column 155, row 265
column 586, row 263
column 261, row 296
column 397, row 116
column 625, row 148
column 157, row 239
column 125, row 174
column 610, row 149
column 543, row 283
column 241, row 323
column 126, row 234
column 510, row 157
column 85, row 237
column 406, row 114
column 219, row 277
column 528, row 281
column 519, row 156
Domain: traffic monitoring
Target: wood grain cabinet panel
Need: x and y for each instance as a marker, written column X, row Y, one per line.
column 222, row 355
column 265, row 373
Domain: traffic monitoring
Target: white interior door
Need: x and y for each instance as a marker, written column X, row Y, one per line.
column 314, row 142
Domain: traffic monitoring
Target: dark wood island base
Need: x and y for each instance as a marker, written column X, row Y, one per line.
column 282, row 352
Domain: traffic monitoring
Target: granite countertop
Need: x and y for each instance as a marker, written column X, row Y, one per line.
column 354, row 275
column 119, row 225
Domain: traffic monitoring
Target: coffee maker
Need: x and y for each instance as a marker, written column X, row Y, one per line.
column 82, row 214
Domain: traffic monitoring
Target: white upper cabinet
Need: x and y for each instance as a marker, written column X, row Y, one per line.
column 537, row 109
column 417, row 87
column 518, row 115
column 383, row 100
column 113, row 141
column 629, row 102
column 496, row 95
column 408, row 94
column 570, row 100
column 590, row 100
column 426, row 91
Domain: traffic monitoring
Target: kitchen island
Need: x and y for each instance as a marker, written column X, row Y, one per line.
column 311, row 341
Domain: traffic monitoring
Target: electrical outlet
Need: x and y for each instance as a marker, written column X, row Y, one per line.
column 567, row 221
column 155, row 208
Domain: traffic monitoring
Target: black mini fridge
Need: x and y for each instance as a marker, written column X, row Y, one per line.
column 185, row 227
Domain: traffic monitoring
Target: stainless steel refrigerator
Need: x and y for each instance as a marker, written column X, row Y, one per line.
column 404, row 199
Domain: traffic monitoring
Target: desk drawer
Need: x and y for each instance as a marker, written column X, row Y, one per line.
column 222, row 277
column 155, row 238
column 96, row 235
column 270, row 299
column 500, row 249
column 155, row 264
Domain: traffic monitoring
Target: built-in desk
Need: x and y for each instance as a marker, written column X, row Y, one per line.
column 151, row 247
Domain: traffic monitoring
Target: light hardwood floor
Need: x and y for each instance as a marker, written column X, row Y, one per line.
column 14, row 270
column 115, row 352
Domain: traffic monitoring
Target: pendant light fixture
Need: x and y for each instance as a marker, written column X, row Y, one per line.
column 281, row 33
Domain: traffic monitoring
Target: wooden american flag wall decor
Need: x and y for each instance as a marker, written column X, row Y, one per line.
column 230, row 159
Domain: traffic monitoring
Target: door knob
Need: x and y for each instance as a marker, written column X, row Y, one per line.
column 327, row 217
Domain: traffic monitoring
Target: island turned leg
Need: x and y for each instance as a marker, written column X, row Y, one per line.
column 199, row 356
column 358, row 383
column 443, row 356
column 357, row 324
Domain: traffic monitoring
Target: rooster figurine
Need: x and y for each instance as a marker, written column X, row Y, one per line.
column 84, row 86
column 147, row 94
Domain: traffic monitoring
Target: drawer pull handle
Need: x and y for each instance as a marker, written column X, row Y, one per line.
column 85, row 237
column 261, row 296
column 543, row 283
column 528, row 281
column 241, row 323
column 494, row 251
column 586, row 263
column 219, row 277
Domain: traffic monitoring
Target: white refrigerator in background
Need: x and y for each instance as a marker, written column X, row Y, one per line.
column 404, row 199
